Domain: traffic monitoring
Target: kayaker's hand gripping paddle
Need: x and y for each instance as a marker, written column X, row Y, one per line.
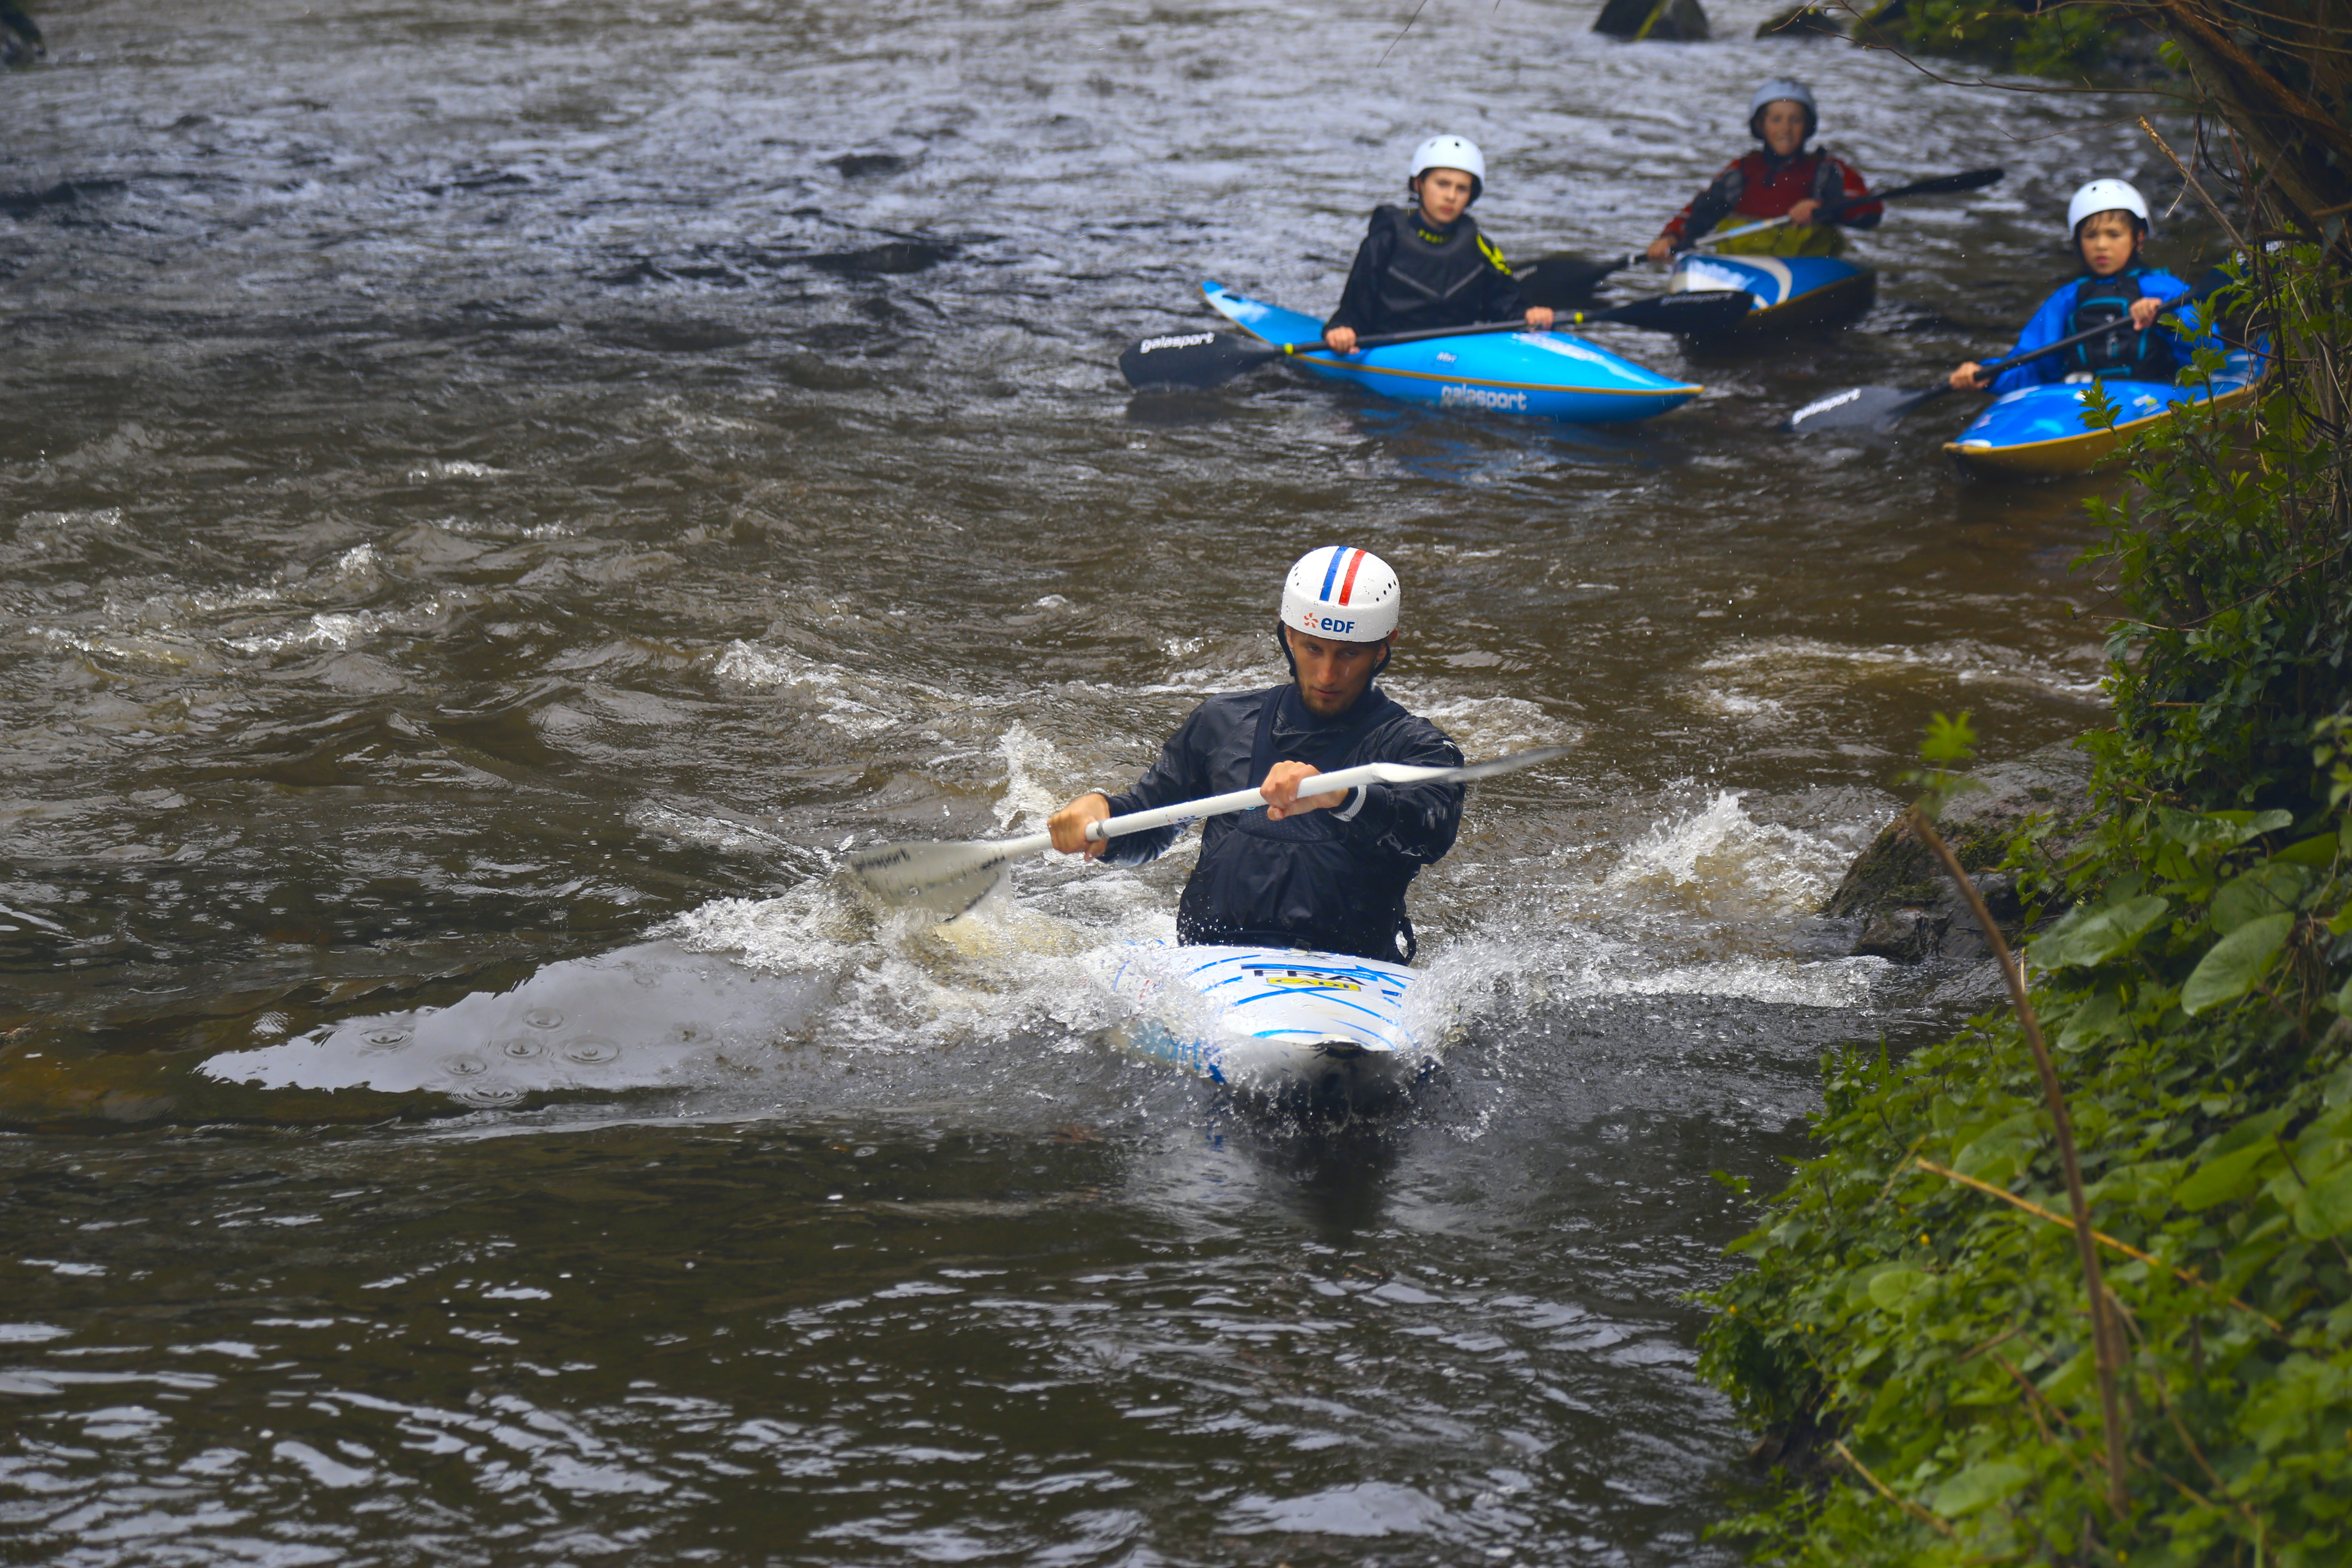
column 951, row 877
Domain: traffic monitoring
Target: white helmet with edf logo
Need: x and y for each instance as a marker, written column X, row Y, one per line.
column 1343, row 593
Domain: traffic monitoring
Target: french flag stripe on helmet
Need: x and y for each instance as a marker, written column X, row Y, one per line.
column 1348, row 583
column 1331, row 574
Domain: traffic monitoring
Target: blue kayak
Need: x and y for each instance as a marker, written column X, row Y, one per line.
column 1551, row 375
column 2040, row 432
column 1789, row 290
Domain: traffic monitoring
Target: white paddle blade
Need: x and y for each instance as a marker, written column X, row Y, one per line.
column 1857, row 409
column 1406, row 773
column 946, row 877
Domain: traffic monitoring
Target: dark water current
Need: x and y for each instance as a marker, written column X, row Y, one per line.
column 497, row 494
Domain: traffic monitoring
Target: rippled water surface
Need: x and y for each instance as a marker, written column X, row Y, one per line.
column 498, row 495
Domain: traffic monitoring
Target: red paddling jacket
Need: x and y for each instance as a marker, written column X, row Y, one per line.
column 1761, row 185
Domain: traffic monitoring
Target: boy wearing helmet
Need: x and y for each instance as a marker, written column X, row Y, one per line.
column 1328, row 871
column 1428, row 265
column 2108, row 223
column 1783, row 180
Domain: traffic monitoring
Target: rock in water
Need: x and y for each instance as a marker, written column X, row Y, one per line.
column 1665, row 21
column 1901, row 904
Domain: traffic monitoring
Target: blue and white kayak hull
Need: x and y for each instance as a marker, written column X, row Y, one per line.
column 1789, row 290
column 2040, row 432
column 1279, row 1024
column 1546, row 376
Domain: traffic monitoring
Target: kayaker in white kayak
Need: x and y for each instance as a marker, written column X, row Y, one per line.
column 1328, row 871
column 2109, row 224
column 1428, row 266
column 1779, row 180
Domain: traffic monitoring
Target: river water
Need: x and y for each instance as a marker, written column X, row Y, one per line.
column 498, row 495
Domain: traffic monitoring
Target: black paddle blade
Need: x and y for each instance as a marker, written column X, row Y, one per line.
column 1562, row 282
column 1859, row 409
column 1698, row 313
column 1193, row 359
column 1943, row 184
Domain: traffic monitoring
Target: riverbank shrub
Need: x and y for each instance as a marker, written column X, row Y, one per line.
column 1914, row 1335
column 2013, row 35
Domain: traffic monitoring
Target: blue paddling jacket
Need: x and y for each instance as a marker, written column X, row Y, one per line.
column 2160, row 353
column 1333, row 881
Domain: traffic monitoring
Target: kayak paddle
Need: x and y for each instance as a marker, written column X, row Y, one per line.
column 1555, row 281
column 951, row 877
column 1876, row 408
column 1198, row 360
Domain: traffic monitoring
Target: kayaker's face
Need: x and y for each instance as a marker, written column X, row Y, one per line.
column 1444, row 194
column 1784, row 127
column 2108, row 241
column 1332, row 675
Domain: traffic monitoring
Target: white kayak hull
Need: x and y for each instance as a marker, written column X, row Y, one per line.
column 1276, row 1024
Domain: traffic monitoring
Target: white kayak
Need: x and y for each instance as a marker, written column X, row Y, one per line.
column 1277, row 1024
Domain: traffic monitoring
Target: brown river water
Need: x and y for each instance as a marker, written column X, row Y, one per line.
column 498, row 495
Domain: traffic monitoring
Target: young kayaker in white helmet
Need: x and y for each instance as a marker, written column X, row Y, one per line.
column 1327, row 871
column 1428, row 266
column 1783, row 179
column 2107, row 224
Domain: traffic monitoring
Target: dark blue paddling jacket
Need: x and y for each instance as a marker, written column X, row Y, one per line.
column 1334, row 881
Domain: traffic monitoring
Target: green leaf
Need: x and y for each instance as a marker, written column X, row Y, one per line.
column 2325, row 1208
column 2227, row 1176
column 2319, row 851
column 1890, row 1288
column 2232, row 966
column 1979, row 1486
column 2098, row 934
column 2264, row 891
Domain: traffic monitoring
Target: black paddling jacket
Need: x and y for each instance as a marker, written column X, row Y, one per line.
column 1316, row 880
column 1409, row 276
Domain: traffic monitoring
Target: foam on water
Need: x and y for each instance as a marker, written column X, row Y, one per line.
column 1700, row 904
column 1775, row 663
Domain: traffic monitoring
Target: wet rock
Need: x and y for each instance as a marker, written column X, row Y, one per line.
column 1975, row 989
column 894, row 258
column 1666, row 21
column 1904, row 936
column 1905, row 908
column 859, row 166
column 20, row 37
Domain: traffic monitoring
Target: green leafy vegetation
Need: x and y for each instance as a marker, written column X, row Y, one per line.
column 1917, row 1335
column 2042, row 40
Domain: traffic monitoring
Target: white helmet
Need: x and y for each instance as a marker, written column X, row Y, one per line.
column 1342, row 592
column 1773, row 92
column 2105, row 196
column 1450, row 152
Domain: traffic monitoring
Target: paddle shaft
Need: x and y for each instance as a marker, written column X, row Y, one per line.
column 1419, row 334
column 1996, row 366
column 1191, row 810
column 1560, row 319
column 1928, row 394
column 1829, row 212
column 1973, row 179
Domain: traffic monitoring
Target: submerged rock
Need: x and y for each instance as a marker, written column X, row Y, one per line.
column 1665, row 21
column 1896, row 896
